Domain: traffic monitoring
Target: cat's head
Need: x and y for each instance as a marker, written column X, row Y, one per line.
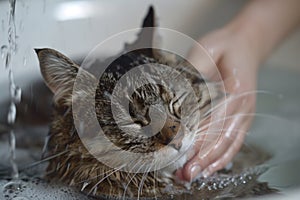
column 157, row 124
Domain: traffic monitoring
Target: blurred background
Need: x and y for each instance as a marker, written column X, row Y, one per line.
column 76, row 27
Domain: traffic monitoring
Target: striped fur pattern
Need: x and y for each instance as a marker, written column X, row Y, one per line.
column 74, row 165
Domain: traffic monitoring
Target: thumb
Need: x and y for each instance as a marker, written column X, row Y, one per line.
column 202, row 60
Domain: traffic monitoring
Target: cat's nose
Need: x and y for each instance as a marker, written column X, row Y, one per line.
column 171, row 134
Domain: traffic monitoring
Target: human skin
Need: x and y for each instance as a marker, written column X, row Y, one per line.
column 238, row 49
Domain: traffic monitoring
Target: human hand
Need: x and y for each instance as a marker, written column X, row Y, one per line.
column 237, row 68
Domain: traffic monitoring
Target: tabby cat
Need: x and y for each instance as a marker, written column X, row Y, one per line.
column 71, row 162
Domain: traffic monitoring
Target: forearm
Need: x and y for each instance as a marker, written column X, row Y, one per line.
column 264, row 23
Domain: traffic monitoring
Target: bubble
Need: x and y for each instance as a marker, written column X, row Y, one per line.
column 20, row 198
column 37, row 189
column 12, row 187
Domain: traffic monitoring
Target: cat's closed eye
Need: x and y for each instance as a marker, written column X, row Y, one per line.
column 174, row 108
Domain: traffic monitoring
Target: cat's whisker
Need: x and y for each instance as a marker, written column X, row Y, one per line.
column 204, row 127
column 223, row 81
column 142, row 165
column 237, row 96
column 154, row 181
column 143, row 180
column 95, row 177
column 131, row 178
column 217, row 133
column 199, row 132
column 43, row 160
column 96, row 185
column 249, row 147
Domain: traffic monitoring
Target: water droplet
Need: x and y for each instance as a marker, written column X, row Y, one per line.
column 215, row 186
column 2, row 25
column 17, row 94
column 235, row 183
column 202, row 186
column 12, row 39
column 221, row 185
column 12, row 145
column 4, row 49
column 24, row 61
column 7, row 60
column 107, row 94
column 11, row 117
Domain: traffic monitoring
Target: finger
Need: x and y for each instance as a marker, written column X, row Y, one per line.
column 233, row 128
column 221, row 123
column 241, row 127
column 231, row 152
column 194, row 150
column 200, row 161
column 228, row 136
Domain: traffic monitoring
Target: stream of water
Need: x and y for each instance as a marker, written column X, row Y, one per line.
column 7, row 53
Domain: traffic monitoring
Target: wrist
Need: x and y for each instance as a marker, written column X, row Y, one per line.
column 262, row 24
column 249, row 40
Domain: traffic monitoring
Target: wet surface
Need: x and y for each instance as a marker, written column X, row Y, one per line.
column 38, row 189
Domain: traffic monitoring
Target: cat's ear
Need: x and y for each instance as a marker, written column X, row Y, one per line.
column 146, row 35
column 149, row 20
column 59, row 73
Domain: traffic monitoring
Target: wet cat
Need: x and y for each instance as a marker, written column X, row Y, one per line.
column 135, row 131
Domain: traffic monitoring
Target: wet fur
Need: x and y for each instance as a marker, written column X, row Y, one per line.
column 74, row 165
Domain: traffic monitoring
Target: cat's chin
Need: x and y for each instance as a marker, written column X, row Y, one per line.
column 168, row 173
column 185, row 152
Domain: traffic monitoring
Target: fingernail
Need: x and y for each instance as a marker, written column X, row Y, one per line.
column 195, row 171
